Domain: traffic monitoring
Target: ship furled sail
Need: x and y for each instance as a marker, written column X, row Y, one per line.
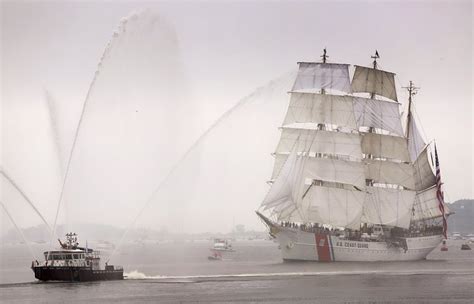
column 344, row 159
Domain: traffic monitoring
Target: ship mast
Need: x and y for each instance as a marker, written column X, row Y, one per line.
column 375, row 57
column 324, row 56
column 372, row 94
column 323, row 92
column 412, row 90
column 320, row 126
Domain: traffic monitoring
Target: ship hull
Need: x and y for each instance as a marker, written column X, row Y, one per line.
column 300, row 245
column 75, row 274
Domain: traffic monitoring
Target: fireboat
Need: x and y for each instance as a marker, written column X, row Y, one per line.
column 74, row 264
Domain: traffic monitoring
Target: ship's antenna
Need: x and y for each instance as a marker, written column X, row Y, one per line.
column 412, row 90
column 375, row 57
column 324, row 56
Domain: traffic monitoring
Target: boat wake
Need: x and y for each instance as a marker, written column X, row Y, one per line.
column 136, row 275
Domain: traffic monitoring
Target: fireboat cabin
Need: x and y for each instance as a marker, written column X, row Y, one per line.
column 74, row 263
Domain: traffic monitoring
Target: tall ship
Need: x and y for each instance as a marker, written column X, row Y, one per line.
column 74, row 263
column 353, row 179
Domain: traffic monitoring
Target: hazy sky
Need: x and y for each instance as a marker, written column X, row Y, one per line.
column 215, row 53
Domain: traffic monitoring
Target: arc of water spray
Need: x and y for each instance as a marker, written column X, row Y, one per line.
column 176, row 165
column 19, row 230
column 50, row 104
column 12, row 182
column 76, row 135
column 52, row 112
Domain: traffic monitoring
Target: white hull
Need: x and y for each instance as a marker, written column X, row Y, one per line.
column 301, row 245
column 222, row 249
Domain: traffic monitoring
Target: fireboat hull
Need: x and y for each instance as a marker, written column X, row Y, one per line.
column 75, row 274
column 308, row 246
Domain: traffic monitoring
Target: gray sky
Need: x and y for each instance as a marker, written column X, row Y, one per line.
column 205, row 56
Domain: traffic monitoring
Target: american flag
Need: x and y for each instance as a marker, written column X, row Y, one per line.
column 440, row 195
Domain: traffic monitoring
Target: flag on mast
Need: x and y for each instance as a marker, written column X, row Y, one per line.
column 440, row 195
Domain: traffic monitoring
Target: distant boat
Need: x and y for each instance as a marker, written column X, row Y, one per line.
column 215, row 256
column 74, row 263
column 222, row 245
column 444, row 247
column 456, row 236
column 465, row 247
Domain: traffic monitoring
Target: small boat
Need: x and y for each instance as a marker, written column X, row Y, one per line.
column 444, row 247
column 74, row 264
column 215, row 256
column 222, row 245
column 465, row 247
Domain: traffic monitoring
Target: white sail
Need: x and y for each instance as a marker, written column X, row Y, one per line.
column 280, row 160
column 334, row 206
column 283, row 190
column 335, row 170
column 424, row 175
column 415, row 141
column 319, row 141
column 317, row 76
column 386, row 146
column 368, row 80
column 288, row 212
column 427, row 205
column 321, row 108
column 378, row 114
column 387, row 206
column 388, row 172
column 327, row 169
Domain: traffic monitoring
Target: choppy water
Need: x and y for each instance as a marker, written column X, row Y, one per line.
column 181, row 273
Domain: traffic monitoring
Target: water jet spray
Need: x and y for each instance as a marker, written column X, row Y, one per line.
column 27, row 199
column 19, row 230
column 177, row 164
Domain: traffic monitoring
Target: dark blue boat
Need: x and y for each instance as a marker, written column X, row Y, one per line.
column 74, row 263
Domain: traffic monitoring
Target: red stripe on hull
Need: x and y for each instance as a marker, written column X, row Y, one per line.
column 322, row 247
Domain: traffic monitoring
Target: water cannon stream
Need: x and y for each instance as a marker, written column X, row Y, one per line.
column 79, row 124
column 19, row 231
column 27, row 199
column 177, row 164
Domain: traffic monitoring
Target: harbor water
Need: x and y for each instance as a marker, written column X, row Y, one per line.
column 179, row 272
